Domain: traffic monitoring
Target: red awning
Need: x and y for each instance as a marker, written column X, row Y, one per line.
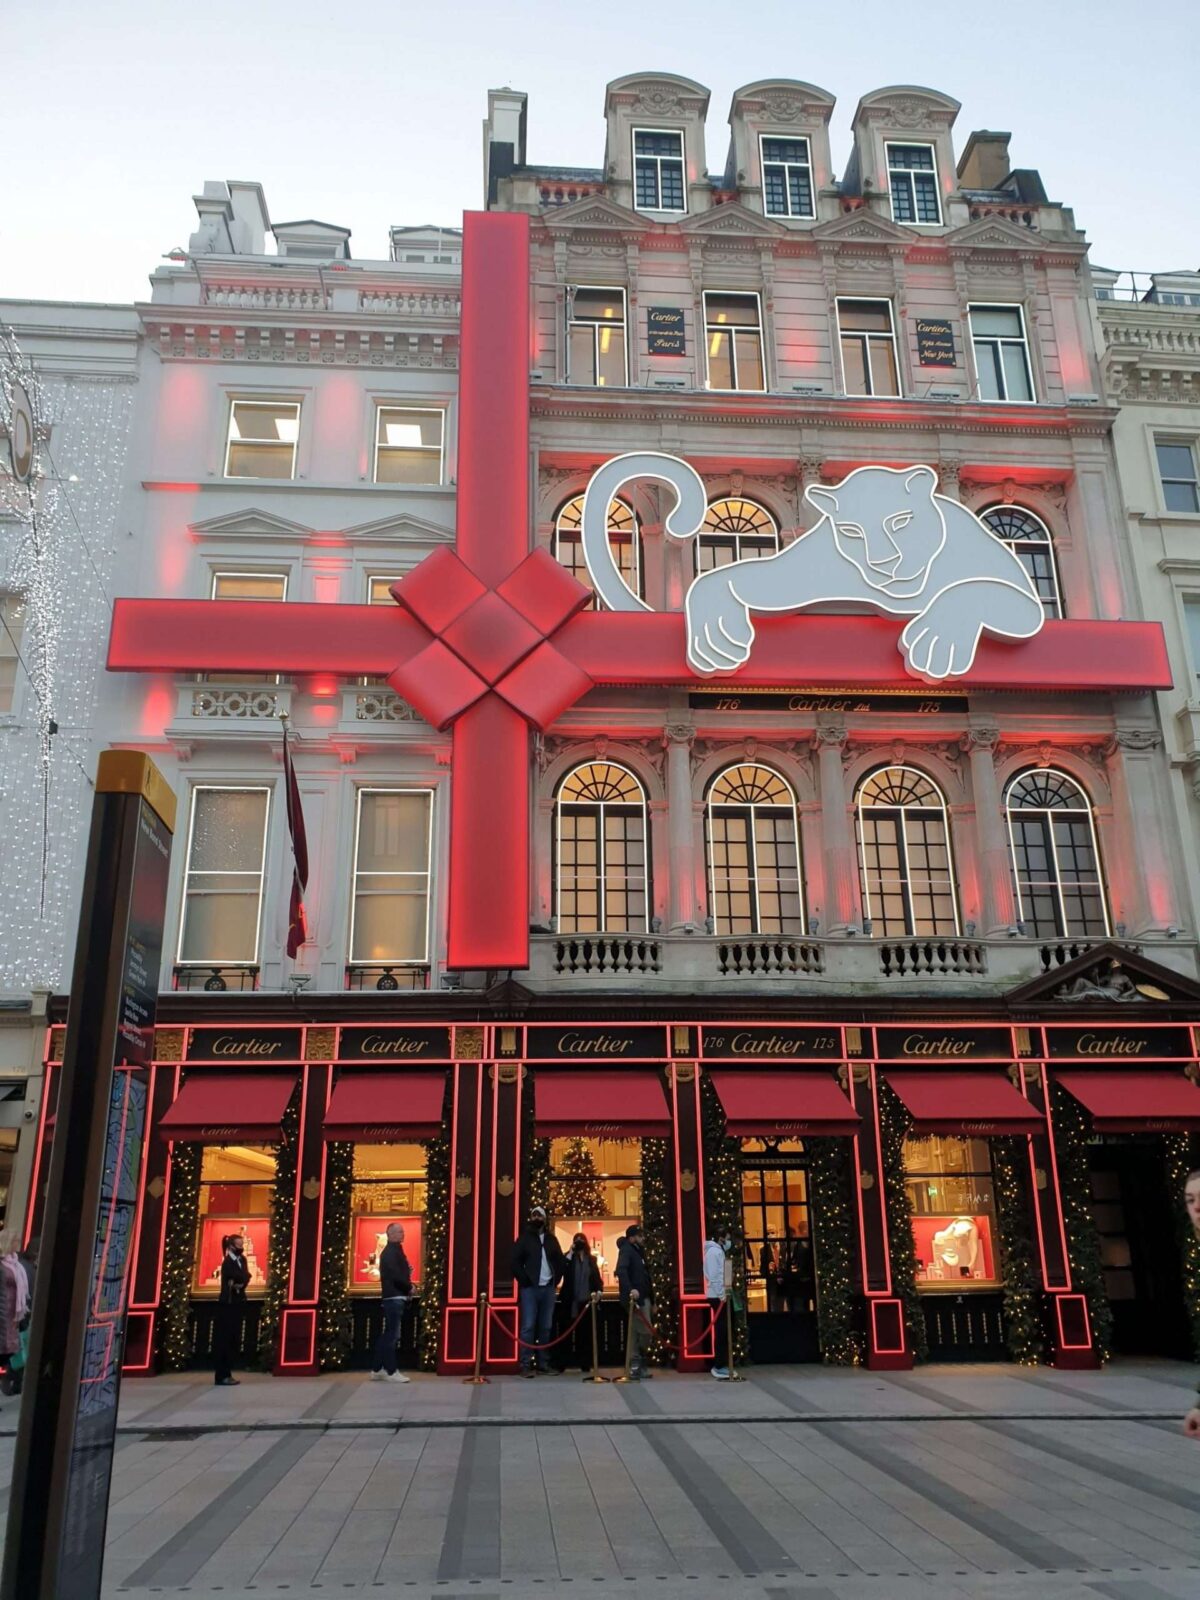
column 600, row 1105
column 386, row 1107
column 223, row 1108
column 800, row 1104
column 1136, row 1102
column 980, row 1103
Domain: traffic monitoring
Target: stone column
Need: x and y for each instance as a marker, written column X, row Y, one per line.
column 681, row 903
column 841, row 862
column 1139, row 869
column 997, row 906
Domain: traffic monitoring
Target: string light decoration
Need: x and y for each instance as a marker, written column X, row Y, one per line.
column 577, row 1191
column 830, row 1173
column 1181, row 1157
column 1018, row 1261
column 283, row 1222
column 1072, row 1135
column 335, row 1322
column 658, row 1221
column 179, row 1249
column 536, row 1152
column 437, row 1242
column 723, row 1206
column 894, row 1123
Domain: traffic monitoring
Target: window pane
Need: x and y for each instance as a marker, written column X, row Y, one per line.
column 1003, row 321
column 671, row 179
column 249, row 586
column 409, row 446
column 655, row 143
column 410, row 430
column 1016, row 372
column 265, row 421
column 612, row 358
column 749, row 361
column 987, row 363
column 854, row 353
column 800, row 192
column 646, row 178
column 724, row 309
column 903, row 209
column 775, row 191
column 227, row 830
column 13, row 612
column 393, row 832
column 912, row 156
column 598, row 305
column 1191, row 611
column 220, row 926
column 720, row 360
column 785, row 150
column 389, row 926
column 1181, row 497
column 884, row 377
column 581, row 355
column 260, row 461
column 872, row 316
column 928, row 209
column 408, row 466
column 1176, row 461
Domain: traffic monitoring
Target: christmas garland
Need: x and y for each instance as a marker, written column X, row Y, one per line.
column 833, row 1226
column 335, row 1326
column 437, row 1240
column 1181, row 1159
column 658, row 1221
column 179, row 1252
column 723, row 1205
column 1072, row 1133
column 894, row 1123
column 1022, row 1284
column 279, row 1251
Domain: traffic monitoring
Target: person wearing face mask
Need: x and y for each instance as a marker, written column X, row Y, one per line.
column 718, row 1272
column 538, row 1265
column 1191, row 1201
column 235, row 1275
column 633, row 1275
column 581, row 1279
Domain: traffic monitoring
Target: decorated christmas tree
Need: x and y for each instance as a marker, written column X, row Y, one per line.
column 578, row 1192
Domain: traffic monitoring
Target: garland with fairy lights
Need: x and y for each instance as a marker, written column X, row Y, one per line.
column 1018, row 1261
column 437, row 1241
column 335, row 1322
column 658, row 1221
column 279, row 1250
column 723, row 1205
column 894, row 1124
column 179, row 1250
column 1072, row 1134
column 830, row 1173
column 1182, row 1157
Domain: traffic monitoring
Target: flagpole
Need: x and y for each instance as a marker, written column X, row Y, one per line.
column 297, row 919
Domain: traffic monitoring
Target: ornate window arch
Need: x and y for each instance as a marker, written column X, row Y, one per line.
column 624, row 536
column 906, row 866
column 752, row 846
column 735, row 529
column 1056, row 865
column 601, row 871
column 1030, row 540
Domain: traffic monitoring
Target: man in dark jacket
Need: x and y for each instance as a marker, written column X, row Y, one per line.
column 633, row 1276
column 538, row 1265
column 395, row 1291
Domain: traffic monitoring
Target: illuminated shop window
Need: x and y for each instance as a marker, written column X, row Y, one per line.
column 753, row 849
column 12, row 621
column 733, row 341
column 596, row 337
column 658, row 170
column 408, row 445
column 953, row 1201
column 236, row 1184
column 8, row 1155
column 904, row 855
column 262, row 439
column 786, row 177
column 624, row 538
column 867, row 336
column 1001, row 353
column 600, row 851
column 245, row 586
column 389, row 918
column 1028, row 537
column 1177, row 474
column 735, row 530
column 776, row 1228
column 1056, row 862
column 912, row 180
column 596, row 1189
column 223, row 876
column 390, row 1185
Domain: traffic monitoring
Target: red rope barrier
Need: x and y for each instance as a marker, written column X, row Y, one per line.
column 683, row 1349
column 524, row 1343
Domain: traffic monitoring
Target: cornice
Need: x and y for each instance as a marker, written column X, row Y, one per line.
column 276, row 338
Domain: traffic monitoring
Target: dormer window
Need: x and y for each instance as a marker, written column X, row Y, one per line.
column 658, row 170
column 786, row 177
column 913, row 181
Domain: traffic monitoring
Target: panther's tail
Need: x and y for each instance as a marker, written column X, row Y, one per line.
column 682, row 522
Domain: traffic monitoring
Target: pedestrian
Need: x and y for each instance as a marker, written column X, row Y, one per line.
column 797, row 1271
column 395, row 1291
column 633, row 1276
column 14, row 1299
column 717, row 1275
column 1191, row 1199
column 538, row 1265
column 227, row 1324
column 581, row 1280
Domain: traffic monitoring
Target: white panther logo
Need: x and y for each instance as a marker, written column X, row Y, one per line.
column 885, row 539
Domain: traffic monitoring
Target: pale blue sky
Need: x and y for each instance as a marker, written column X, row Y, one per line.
column 366, row 114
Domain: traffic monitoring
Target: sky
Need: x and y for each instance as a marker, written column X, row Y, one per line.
column 364, row 114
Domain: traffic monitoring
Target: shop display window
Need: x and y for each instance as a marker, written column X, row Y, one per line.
column 389, row 1186
column 780, row 1272
column 8, row 1154
column 954, row 1212
column 236, row 1184
column 596, row 1189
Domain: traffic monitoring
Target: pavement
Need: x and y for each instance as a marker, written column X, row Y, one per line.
column 801, row 1483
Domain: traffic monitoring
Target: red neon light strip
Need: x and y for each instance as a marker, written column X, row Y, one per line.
column 1062, row 1228
column 49, row 1076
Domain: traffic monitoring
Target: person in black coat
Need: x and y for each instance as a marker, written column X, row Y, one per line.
column 227, row 1325
column 538, row 1265
column 395, row 1291
column 633, row 1275
column 581, row 1280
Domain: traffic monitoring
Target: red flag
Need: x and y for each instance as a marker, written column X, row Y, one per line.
column 297, row 920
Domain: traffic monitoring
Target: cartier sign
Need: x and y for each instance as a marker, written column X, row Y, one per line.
column 1119, row 1044
column 394, row 1044
column 596, row 1043
column 245, row 1044
column 772, row 1044
column 943, row 1044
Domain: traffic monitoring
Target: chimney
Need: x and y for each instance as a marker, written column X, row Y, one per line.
column 250, row 224
column 503, row 137
column 215, row 213
column 984, row 162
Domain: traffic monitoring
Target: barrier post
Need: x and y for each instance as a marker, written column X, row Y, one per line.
column 477, row 1376
column 625, row 1377
column 594, row 1375
column 734, row 1375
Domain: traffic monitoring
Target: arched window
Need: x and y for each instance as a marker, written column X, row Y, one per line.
column 1056, row 864
column 735, row 530
column 904, row 855
column 600, row 874
column 1028, row 537
column 753, row 853
column 624, row 536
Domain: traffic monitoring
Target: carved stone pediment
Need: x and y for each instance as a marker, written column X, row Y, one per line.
column 861, row 227
column 402, row 529
column 249, row 524
column 1108, row 974
column 595, row 213
column 735, row 219
column 997, row 233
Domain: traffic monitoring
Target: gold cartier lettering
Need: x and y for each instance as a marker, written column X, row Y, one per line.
column 749, row 1044
column 592, row 1044
column 374, row 1045
column 231, row 1045
column 1093, row 1044
column 917, row 1044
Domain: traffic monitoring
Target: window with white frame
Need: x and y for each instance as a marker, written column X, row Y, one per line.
column 753, row 849
column 601, row 874
column 228, row 585
column 262, row 439
column 596, row 337
column 1028, row 537
column 867, row 336
column 624, row 539
column 658, row 178
column 1055, row 860
column 1001, row 353
column 12, row 622
column 1177, row 474
column 735, row 530
column 223, row 876
column 913, row 183
column 786, row 176
column 733, row 341
column 904, row 855
column 389, row 918
column 1191, row 618
column 408, row 445
column 379, row 593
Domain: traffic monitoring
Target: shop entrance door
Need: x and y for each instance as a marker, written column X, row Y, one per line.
column 781, row 1273
column 1139, row 1248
